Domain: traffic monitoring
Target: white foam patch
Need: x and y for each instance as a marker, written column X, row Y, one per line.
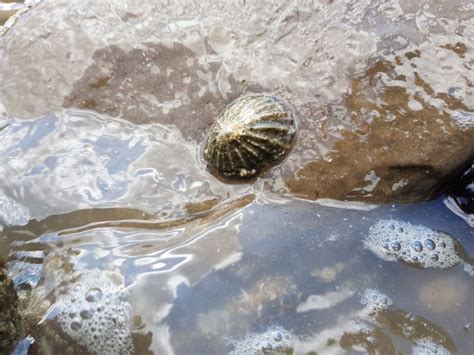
column 427, row 347
column 94, row 315
column 273, row 340
column 374, row 300
column 394, row 240
column 469, row 268
column 463, row 119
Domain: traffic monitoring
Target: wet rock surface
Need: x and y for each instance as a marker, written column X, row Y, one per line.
column 404, row 143
column 385, row 115
column 10, row 324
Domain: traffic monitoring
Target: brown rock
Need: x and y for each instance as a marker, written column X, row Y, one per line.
column 382, row 117
column 153, row 83
column 400, row 150
column 10, row 327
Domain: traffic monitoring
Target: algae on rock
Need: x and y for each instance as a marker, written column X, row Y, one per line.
column 10, row 324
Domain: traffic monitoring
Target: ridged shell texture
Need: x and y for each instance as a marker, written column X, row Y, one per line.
column 252, row 133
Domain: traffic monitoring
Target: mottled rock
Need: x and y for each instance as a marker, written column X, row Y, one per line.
column 156, row 82
column 10, row 326
column 404, row 140
column 382, row 89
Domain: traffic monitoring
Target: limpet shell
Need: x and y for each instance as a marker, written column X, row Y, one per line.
column 251, row 134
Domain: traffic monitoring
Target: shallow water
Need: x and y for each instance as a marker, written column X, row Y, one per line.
column 113, row 254
column 119, row 240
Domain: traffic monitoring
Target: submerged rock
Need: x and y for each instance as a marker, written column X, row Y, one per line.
column 10, row 326
column 268, row 298
column 85, row 310
column 385, row 115
column 443, row 294
column 377, row 328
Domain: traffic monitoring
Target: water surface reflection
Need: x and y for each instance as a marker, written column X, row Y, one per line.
column 231, row 276
column 120, row 241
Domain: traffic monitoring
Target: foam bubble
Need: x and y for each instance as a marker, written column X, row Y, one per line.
column 275, row 339
column 394, row 240
column 469, row 268
column 427, row 347
column 374, row 300
column 94, row 315
column 464, row 120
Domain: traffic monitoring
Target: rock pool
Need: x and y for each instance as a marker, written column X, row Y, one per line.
column 99, row 269
column 120, row 240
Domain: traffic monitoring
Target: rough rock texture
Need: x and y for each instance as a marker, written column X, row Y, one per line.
column 382, row 88
column 10, row 328
column 404, row 142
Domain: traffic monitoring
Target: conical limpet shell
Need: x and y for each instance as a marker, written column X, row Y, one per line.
column 252, row 133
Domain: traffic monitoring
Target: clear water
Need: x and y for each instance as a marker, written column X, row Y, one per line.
column 141, row 270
